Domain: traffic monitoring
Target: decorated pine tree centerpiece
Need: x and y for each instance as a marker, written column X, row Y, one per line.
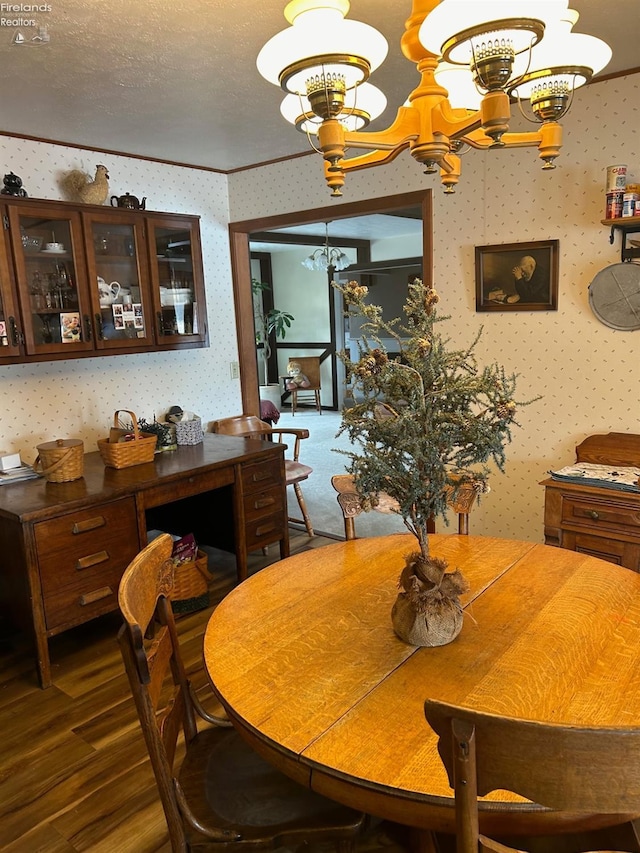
column 425, row 426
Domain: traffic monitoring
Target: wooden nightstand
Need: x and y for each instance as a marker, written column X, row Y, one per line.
column 592, row 520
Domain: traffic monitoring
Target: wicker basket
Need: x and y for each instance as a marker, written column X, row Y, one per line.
column 124, row 454
column 191, row 585
column 189, row 432
column 61, row 460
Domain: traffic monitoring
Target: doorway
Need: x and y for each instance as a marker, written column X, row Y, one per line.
column 303, row 221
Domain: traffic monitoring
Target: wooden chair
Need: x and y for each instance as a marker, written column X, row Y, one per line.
column 295, row 471
column 223, row 795
column 310, row 366
column 565, row 768
column 351, row 504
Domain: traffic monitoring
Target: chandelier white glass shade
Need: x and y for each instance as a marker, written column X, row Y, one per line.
column 563, row 62
column 322, row 55
column 361, row 105
column 462, row 91
column 469, row 65
column 325, row 257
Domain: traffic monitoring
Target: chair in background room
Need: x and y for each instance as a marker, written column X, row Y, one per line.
column 565, row 768
column 310, row 368
column 223, row 795
column 460, row 501
column 295, row 471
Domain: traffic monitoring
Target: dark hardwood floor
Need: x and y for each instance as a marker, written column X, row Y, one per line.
column 74, row 773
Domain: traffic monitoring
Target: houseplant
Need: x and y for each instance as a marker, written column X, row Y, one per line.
column 419, row 423
column 267, row 323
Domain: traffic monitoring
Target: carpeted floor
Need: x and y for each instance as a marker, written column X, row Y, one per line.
column 319, row 452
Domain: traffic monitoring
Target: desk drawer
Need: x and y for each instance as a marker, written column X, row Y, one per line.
column 259, row 504
column 597, row 515
column 261, row 476
column 81, row 548
column 84, row 599
column 197, row 484
column 262, row 531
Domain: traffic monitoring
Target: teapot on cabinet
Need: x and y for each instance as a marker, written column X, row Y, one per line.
column 128, row 201
column 108, row 293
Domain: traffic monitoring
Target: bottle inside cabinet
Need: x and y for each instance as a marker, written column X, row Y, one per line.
column 51, row 276
column 175, row 270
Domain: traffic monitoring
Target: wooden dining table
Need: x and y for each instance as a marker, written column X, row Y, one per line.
column 303, row 657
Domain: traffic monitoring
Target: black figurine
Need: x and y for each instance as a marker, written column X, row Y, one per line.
column 13, row 186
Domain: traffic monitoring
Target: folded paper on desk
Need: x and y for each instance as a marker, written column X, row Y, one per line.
column 603, row 476
column 15, row 475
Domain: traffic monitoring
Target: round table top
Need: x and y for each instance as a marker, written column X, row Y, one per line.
column 304, row 658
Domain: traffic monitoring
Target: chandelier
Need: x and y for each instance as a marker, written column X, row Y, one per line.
column 473, row 58
column 327, row 256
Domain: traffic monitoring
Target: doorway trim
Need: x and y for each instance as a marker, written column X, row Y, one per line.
column 239, row 233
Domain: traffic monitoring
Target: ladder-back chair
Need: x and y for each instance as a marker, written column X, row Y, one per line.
column 222, row 796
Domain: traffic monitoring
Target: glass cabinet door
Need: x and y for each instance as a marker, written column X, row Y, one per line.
column 9, row 320
column 118, row 281
column 51, row 277
column 177, row 281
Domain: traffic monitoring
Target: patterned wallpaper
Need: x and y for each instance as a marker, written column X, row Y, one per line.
column 77, row 399
column 587, row 375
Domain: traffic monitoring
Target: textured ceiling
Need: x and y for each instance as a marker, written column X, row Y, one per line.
column 178, row 81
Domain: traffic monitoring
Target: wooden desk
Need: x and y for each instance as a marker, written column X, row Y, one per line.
column 305, row 661
column 64, row 546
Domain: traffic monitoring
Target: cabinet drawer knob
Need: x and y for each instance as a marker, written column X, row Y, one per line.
column 92, row 560
column 96, row 595
column 88, row 524
column 594, row 515
column 260, row 503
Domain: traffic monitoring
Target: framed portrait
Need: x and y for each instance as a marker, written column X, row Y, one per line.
column 517, row 276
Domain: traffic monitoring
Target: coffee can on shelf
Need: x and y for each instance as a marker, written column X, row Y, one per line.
column 615, row 200
column 616, row 178
column 629, row 204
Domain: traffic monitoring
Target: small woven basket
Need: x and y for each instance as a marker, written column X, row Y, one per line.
column 189, row 432
column 61, row 460
column 191, row 585
column 124, row 454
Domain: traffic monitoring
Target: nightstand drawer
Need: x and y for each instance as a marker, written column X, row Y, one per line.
column 262, row 476
column 599, row 515
column 82, row 547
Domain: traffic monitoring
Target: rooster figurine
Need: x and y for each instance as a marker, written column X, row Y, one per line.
column 80, row 187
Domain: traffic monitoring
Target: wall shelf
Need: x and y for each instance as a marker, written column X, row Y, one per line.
column 627, row 225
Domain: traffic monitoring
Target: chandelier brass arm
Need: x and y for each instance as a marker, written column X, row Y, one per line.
column 472, row 58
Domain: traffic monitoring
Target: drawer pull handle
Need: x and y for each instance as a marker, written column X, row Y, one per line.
column 267, row 528
column 88, row 524
column 96, row 595
column 92, row 560
column 262, row 502
column 259, row 476
column 594, row 515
